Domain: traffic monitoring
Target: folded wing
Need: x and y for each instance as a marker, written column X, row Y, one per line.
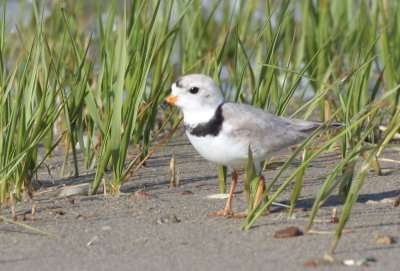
column 265, row 132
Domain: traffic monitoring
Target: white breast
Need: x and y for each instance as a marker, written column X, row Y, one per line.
column 221, row 149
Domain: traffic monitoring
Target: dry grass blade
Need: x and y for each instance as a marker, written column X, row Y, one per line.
column 30, row 228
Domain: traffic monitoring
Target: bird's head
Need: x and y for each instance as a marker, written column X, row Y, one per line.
column 195, row 92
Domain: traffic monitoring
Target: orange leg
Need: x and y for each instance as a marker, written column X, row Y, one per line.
column 228, row 207
column 260, row 190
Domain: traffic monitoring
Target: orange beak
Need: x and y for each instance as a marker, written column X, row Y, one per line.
column 171, row 99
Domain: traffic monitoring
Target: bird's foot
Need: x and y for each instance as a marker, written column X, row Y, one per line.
column 225, row 212
column 241, row 215
column 229, row 213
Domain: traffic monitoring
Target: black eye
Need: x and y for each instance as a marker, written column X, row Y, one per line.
column 194, row 90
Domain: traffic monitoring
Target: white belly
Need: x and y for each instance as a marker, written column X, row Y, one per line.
column 221, row 149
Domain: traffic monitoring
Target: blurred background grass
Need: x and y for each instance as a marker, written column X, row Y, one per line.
column 90, row 75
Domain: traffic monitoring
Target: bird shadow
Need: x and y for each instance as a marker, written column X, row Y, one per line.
column 334, row 200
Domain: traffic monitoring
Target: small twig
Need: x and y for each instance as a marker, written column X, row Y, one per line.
column 280, row 204
column 49, row 172
column 329, row 232
column 334, row 217
column 33, row 212
column 95, row 238
column 384, row 128
column 49, row 190
column 133, row 171
column 13, row 213
column 104, row 187
column 173, row 182
column 388, row 160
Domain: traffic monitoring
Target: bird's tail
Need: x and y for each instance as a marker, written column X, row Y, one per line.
column 310, row 126
column 336, row 125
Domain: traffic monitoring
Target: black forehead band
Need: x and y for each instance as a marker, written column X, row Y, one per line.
column 178, row 83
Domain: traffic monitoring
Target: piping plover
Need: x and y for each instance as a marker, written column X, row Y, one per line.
column 222, row 131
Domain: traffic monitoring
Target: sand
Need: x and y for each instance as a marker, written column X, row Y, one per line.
column 154, row 227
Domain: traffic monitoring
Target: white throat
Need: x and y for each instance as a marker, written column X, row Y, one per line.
column 195, row 116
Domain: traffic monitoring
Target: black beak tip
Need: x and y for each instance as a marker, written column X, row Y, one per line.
column 164, row 104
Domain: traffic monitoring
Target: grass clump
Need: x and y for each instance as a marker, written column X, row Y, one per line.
column 90, row 76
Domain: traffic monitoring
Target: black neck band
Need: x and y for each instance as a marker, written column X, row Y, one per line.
column 212, row 127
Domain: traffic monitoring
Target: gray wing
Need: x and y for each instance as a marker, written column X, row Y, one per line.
column 265, row 132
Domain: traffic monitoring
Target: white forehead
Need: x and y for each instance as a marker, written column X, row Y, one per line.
column 196, row 80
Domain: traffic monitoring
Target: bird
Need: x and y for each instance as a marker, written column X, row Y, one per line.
column 222, row 131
